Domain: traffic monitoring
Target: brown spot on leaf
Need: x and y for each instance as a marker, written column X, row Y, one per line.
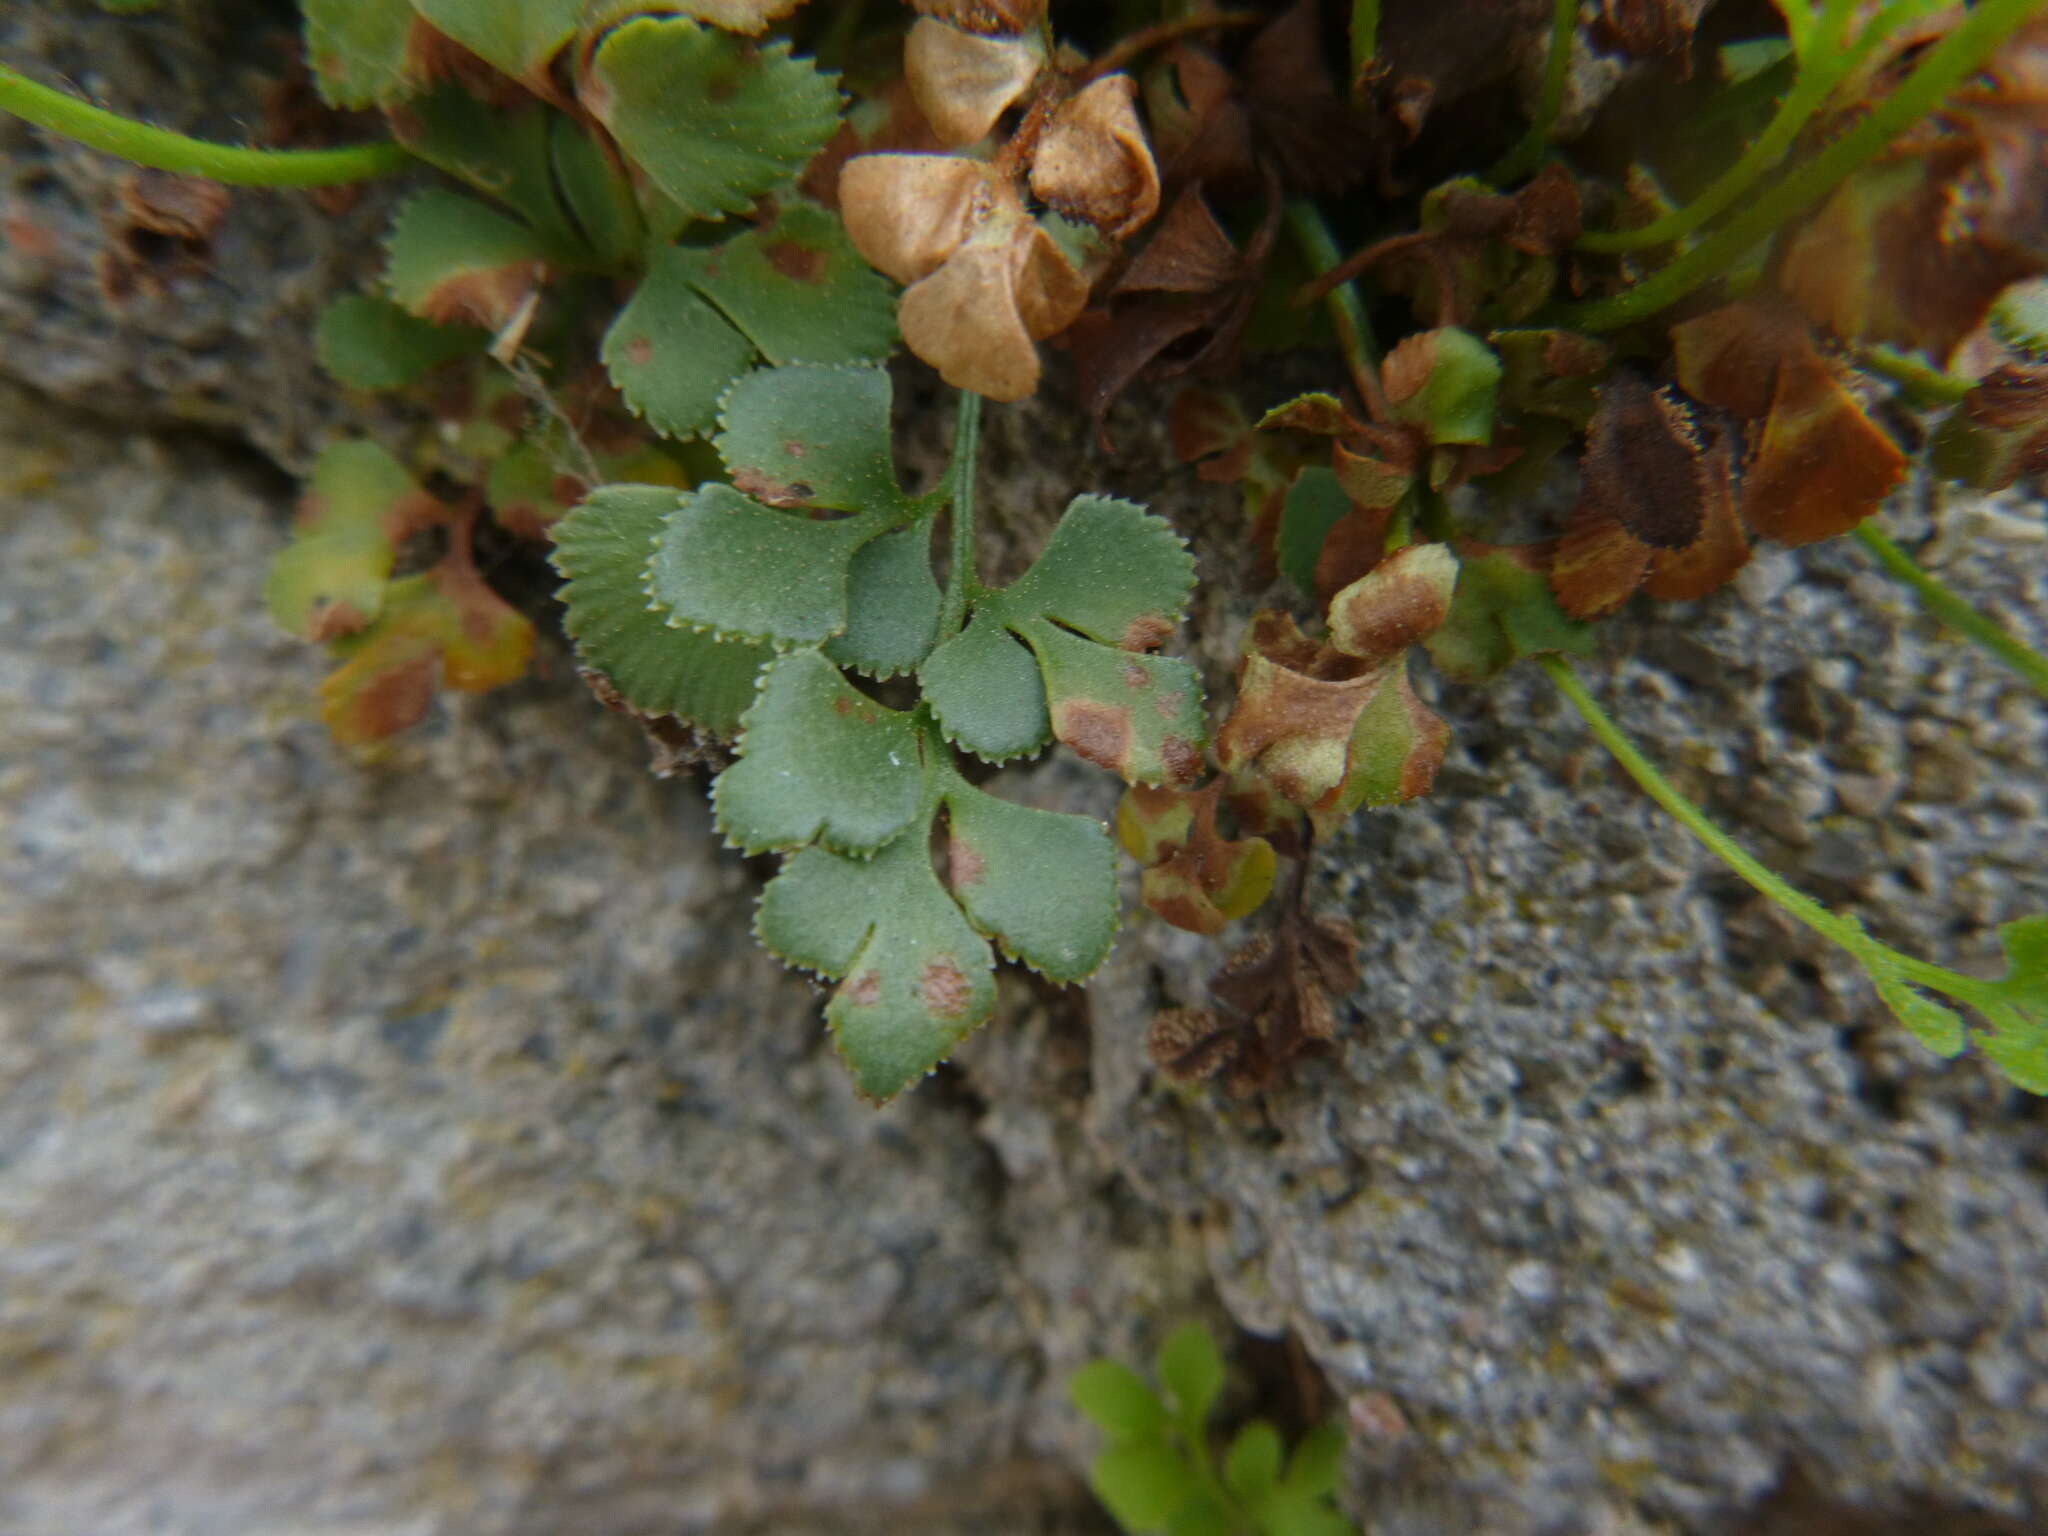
column 331, row 618
column 865, row 990
column 1100, row 733
column 771, row 492
column 1182, row 759
column 964, row 864
column 639, row 351
column 1136, row 677
column 945, row 988
column 1147, row 632
column 842, row 705
column 798, row 263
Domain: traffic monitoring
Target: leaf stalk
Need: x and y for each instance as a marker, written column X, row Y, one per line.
column 159, row 149
column 1953, row 610
column 961, row 584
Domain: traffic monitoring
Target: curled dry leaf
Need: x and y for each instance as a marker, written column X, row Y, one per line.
column 1320, row 144
column 1333, row 727
column 1296, row 705
column 1195, row 878
column 1656, row 505
column 963, row 82
column 984, row 16
column 1276, row 1002
column 1652, row 28
column 986, row 281
column 1816, row 465
column 905, row 214
column 1999, row 432
column 1180, row 307
column 1201, row 131
column 1093, row 163
column 1914, row 248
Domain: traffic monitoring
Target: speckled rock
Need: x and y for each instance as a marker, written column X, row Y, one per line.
column 421, row 1146
column 1624, row 1189
column 128, row 325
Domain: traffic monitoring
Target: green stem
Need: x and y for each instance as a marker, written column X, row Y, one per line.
column 1983, row 28
column 1809, row 89
column 960, row 582
column 1346, row 310
column 161, row 150
column 1690, row 816
column 1953, row 611
column 1523, row 158
column 1365, row 42
column 1926, row 385
column 1832, row 926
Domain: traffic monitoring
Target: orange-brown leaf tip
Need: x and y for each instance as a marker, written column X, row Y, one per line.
column 1596, row 565
column 1821, row 465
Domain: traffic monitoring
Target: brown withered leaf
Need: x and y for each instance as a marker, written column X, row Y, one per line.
column 1201, row 131
column 1305, row 715
column 1656, row 505
column 1194, row 877
column 1189, row 253
column 1320, row 143
column 1093, row 164
column 1652, row 28
column 1817, row 465
column 1400, row 601
column 1296, row 705
column 1161, row 321
column 164, row 231
column 906, row 213
column 1546, row 216
column 1276, row 1002
column 963, row 82
column 984, row 16
column 986, row 281
column 1913, row 249
column 1820, row 465
column 673, row 746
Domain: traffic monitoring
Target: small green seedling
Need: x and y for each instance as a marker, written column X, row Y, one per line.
column 1159, row 1471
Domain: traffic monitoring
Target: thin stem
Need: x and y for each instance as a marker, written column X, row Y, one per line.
column 1976, row 37
column 1809, row 89
column 1832, row 926
column 1925, row 384
column 1138, row 44
column 1365, row 43
column 1953, row 611
column 1522, row 159
column 1691, row 817
column 161, row 150
column 960, row 582
column 1347, row 312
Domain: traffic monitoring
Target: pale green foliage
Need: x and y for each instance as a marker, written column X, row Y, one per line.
column 1158, row 1471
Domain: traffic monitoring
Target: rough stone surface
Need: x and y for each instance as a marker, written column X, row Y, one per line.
column 419, row 1146
column 225, row 345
